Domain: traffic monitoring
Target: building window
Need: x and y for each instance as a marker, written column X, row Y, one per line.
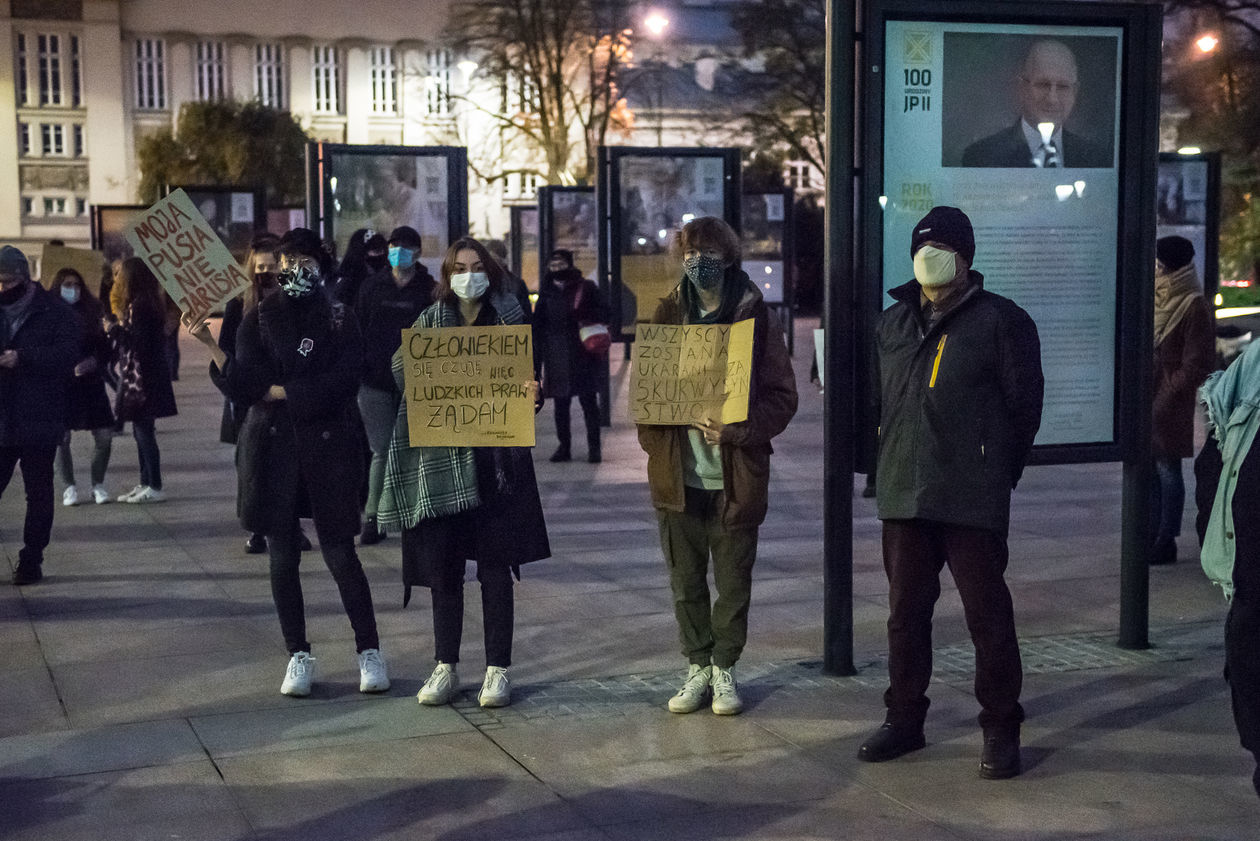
column 49, row 69
column 529, row 184
column 23, row 95
column 28, row 206
column 211, row 69
column 326, row 82
column 150, row 74
column 53, row 139
column 76, row 74
column 80, row 207
column 438, row 83
column 269, row 74
column 55, row 207
column 77, row 135
column 799, row 175
column 24, row 139
column 383, row 81
column 519, row 94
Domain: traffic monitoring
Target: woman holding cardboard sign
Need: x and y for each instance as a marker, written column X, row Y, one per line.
column 459, row 503
column 296, row 365
column 709, row 481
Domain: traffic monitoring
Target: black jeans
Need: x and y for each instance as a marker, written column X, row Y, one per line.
column 286, row 589
column 590, row 414
column 36, row 461
column 1242, row 625
column 497, row 610
column 147, row 452
column 914, row 553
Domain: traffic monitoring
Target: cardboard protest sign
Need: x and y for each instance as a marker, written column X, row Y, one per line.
column 685, row 374
column 86, row 262
column 465, row 386
column 193, row 264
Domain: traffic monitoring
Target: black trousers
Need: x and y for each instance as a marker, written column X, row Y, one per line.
column 590, row 414
column 1242, row 626
column 286, row 589
column 36, row 461
column 447, row 565
column 914, row 553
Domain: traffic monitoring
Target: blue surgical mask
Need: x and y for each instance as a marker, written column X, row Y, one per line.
column 401, row 258
column 70, row 294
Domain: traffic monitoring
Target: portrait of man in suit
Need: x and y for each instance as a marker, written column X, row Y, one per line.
column 1046, row 87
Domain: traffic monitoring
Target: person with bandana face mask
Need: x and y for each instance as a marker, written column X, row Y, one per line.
column 296, row 365
column 389, row 302
column 456, row 504
column 958, row 373
column 710, row 483
column 39, row 346
column 566, row 301
column 88, row 403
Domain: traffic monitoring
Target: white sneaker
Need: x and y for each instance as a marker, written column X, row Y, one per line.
column 694, row 690
column 297, row 677
column 99, row 495
column 441, row 686
column 126, row 497
column 147, row 494
column 70, row 497
column 372, row 675
column 496, row 689
column 726, row 700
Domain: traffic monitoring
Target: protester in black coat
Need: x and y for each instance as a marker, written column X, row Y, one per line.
column 296, row 366
column 144, row 390
column 88, row 403
column 38, row 348
column 566, row 303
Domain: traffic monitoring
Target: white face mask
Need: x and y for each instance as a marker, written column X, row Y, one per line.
column 469, row 286
column 934, row 267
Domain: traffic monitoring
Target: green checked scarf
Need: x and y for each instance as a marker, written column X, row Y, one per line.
column 422, row 483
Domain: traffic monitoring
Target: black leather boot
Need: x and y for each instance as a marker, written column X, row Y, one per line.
column 999, row 760
column 891, row 741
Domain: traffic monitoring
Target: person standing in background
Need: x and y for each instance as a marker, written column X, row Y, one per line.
column 389, row 302
column 88, row 402
column 1185, row 353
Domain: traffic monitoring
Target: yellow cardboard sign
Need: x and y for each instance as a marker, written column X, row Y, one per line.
column 192, row 263
column 465, row 386
column 86, row 262
column 685, row 374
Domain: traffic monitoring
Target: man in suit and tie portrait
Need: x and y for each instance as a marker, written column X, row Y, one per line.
column 1046, row 89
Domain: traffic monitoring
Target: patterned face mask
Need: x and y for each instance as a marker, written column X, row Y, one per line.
column 298, row 281
column 704, row 272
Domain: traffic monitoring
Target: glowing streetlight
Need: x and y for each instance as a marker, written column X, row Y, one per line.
column 656, row 23
column 1207, row 43
column 1189, row 150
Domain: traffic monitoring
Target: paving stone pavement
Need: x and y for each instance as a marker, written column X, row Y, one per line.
column 139, row 682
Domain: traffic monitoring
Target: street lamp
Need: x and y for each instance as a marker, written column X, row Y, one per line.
column 1207, row 43
column 656, row 23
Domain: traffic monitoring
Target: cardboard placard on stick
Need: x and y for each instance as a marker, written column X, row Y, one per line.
column 192, row 263
column 86, row 262
column 465, row 386
column 685, row 374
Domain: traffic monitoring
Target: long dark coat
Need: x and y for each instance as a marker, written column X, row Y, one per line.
column 1182, row 362
column 88, row 406
column 299, row 456
column 33, row 395
column 567, row 369
column 144, row 337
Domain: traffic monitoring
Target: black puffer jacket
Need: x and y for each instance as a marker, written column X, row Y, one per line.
column 959, row 407
column 384, row 311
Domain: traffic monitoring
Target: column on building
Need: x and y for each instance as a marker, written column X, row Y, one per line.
column 358, row 93
column 301, row 98
column 113, row 176
column 10, row 184
column 241, row 68
column 413, row 72
column 181, row 72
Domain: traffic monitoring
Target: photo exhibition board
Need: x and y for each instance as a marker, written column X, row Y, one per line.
column 955, row 96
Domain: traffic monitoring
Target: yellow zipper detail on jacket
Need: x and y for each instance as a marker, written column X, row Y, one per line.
column 936, row 364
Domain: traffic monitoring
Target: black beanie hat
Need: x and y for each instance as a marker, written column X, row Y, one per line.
column 306, row 242
column 561, row 254
column 946, row 225
column 1174, row 252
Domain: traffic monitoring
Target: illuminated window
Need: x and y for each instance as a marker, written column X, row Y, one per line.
column 150, row 74
column 438, row 83
column 269, row 74
column 211, row 71
column 49, row 69
column 384, row 96
column 325, row 79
